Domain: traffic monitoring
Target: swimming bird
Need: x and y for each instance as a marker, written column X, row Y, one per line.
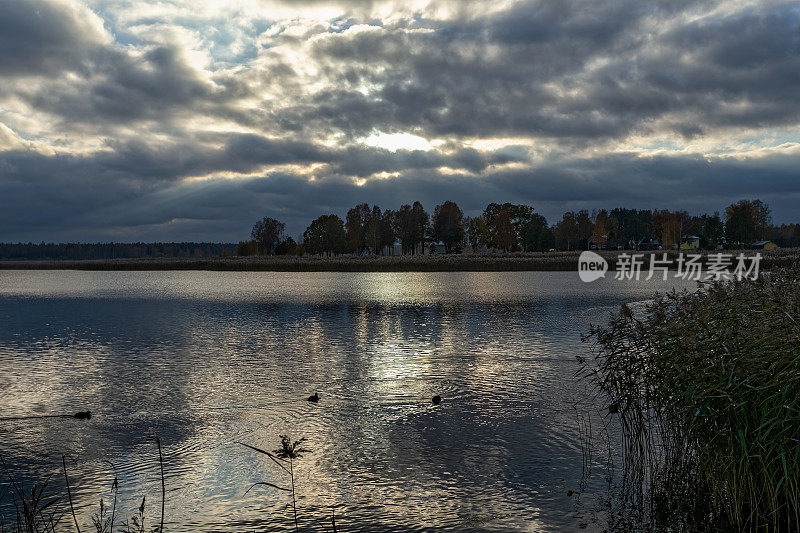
column 436, row 400
column 314, row 398
column 83, row 415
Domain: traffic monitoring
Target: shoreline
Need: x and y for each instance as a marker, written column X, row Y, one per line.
column 543, row 262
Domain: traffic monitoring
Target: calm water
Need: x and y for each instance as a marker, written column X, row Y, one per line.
column 205, row 359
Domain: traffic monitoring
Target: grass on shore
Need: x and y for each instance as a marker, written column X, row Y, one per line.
column 548, row 261
column 706, row 388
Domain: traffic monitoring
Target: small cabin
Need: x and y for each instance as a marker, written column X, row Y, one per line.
column 690, row 242
column 598, row 242
column 764, row 245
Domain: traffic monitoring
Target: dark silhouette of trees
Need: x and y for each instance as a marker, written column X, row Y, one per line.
column 388, row 231
column 530, row 229
column 747, row 221
column 448, row 225
column 585, row 226
column 566, row 232
column 786, row 235
column 477, row 233
column 600, row 229
column 712, row 230
column 245, row 248
column 574, row 230
column 286, row 247
column 547, row 240
column 325, row 235
column 525, row 230
column 379, row 230
column 411, row 224
column 508, row 227
column 357, row 218
column 369, row 229
column 631, row 225
column 502, row 231
column 267, row 233
column 671, row 227
column 373, row 230
column 114, row 250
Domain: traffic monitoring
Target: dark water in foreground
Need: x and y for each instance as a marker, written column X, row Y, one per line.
column 205, row 359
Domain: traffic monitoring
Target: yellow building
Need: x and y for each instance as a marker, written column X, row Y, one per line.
column 765, row 245
column 690, row 242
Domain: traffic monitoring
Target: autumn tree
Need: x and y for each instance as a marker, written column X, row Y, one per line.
column 502, row 231
column 411, row 223
column 267, row 233
column 526, row 225
column 786, row 235
column 566, row 232
column 547, row 239
column 747, row 221
column 448, row 225
column 356, row 222
column 325, row 235
column 286, row 246
column 632, row 225
column 600, row 229
column 584, row 225
column 388, row 232
column 245, row 248
column 477, row 233
column 671, row 226
column 712, row 231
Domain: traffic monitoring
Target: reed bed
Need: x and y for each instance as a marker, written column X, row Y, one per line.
column 539, row 261
column 706, row 388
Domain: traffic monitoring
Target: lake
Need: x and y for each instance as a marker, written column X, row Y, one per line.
column 206, row 360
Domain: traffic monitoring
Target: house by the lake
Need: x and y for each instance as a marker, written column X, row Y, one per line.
column 598, row 242
column 690, row 242
column 764, row 245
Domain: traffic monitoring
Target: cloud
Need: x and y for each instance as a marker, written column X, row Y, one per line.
column 165, row 120
column 46, row 36
column 104, row 201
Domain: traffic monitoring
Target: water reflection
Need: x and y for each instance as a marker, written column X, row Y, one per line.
column 204, row 360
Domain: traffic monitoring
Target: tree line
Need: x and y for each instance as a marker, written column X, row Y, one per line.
column 511, row 227
column 503, row 227
column 114, row 250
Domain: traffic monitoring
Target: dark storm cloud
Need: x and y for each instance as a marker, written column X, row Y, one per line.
column 100, row 207
column 44, row 37
column 118, row 87
column 138, row 165
column 496, row 75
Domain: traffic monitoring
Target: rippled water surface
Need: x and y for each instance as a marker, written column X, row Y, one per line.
column 204, row 360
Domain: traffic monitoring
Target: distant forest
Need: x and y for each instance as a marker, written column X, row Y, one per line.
column 114, row 250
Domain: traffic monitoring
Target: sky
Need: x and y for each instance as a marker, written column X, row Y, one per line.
column 173, row 120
